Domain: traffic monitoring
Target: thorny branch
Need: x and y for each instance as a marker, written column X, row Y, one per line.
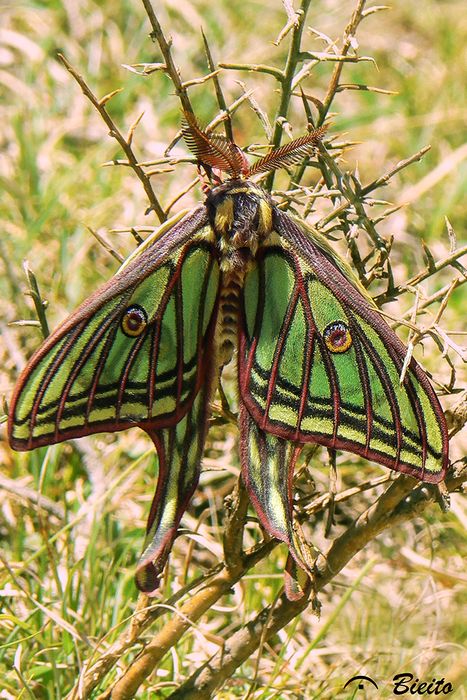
column 203, row 594
column 349, row 37
column 170, row 68
column 292, row 61
column 117, row 135
column 401, row 502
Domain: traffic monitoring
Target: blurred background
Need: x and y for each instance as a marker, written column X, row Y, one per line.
column 406, row 613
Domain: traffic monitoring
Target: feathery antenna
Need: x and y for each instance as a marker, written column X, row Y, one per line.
column 212, row 149
column 291, row 153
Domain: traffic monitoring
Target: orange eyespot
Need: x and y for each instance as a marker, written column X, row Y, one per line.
column 337, row 337
column 134, row 321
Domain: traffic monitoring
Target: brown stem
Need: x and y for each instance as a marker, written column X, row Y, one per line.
column 204, row 682
column 399, row 503
column 170, row 67
column 234, row 526
column 174, row 629
column 118, row 136
column 349, row 33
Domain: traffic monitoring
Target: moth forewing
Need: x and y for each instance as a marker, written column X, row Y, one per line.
column 412, row 408
column 91, row 375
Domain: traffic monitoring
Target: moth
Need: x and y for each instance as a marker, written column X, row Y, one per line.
column 234, row 278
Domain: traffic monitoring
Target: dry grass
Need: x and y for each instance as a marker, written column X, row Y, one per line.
column 73, row 516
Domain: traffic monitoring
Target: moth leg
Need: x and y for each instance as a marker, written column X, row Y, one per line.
column 267, row 467
column 180, row 450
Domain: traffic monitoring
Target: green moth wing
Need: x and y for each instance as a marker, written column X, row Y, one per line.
column 180, row 450
column 317, row 362
column 134, row 353
column 268, row 464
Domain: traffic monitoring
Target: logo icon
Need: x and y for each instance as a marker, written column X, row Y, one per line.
column 361, row 679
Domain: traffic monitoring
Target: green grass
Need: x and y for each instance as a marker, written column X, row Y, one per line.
column 66, row 581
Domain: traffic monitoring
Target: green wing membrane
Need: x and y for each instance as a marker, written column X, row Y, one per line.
column 268, row 464
column 91, row 375
column 317, row 363
column 180, row 450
